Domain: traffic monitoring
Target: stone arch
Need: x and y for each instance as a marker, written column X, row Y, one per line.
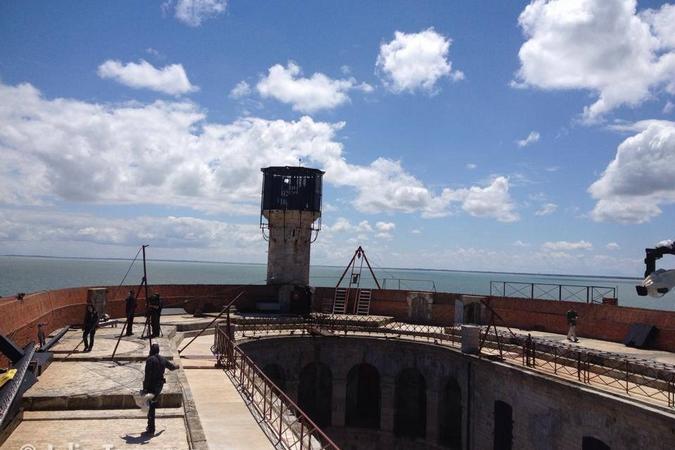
column 503, row 426
column 450, row 415
column 363, row 397
column 315, row 392
column 591, row 443
column 410, row 404
column 276, row 374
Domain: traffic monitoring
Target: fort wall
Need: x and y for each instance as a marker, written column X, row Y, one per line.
column 546, row 412
column 61, row 307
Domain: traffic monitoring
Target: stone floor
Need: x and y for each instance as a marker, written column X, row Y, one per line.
column 102, row 429
column 605, row 346
column 71, row 347
column 225, row 418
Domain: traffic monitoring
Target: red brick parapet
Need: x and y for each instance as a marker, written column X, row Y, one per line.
column 61, row 307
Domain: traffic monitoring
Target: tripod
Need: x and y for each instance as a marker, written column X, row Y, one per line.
column 144, row 284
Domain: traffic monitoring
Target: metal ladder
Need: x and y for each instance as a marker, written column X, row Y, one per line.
column 363, row 302
column 340, row 301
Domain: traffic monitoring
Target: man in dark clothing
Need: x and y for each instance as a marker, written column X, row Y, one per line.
column 130, row 309
column 572, row 322
column 154, row 381
column 154, row 311
column 90, row 324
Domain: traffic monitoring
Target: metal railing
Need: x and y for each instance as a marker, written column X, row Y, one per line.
column 398, row 283
column 620, row 373
column 547, row 291
column 286, row 424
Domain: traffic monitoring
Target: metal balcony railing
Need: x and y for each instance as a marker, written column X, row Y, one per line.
column 547, row 291
column 286, row 424
column 619, row 373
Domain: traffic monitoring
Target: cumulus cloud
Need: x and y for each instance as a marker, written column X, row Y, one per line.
column 242, row 89
column 612, row 246
column 546, row 209
column 194, row 12
column 414, row 61
column 170, row 232
column 641, row 177
column 287, row 85
column 566, row 246
column 604, row 46
column 530, row 139
column 167, row 153
column 170, row 79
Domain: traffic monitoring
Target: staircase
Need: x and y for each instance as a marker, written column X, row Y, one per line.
column 340, row 301
column 363, row 302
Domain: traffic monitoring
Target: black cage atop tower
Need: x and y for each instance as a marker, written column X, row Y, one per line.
column 287, row 188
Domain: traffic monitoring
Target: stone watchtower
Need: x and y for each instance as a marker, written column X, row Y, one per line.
column 290, row 218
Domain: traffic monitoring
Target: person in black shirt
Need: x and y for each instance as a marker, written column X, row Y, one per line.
column 572, row 322
column 130, row 309
column 154, row 311
column 90, row 324
column 154, row 381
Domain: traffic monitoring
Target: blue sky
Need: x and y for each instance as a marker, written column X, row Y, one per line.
column 482, row 135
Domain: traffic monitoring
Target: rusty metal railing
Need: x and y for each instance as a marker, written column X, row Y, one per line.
column 285, row 422
column 548, row 291
column 620, row 373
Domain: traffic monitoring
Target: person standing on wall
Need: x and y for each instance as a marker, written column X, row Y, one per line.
column 90, row 324
column 154, row 381
column 572, row 322
column 154, row 311
column 130, row 309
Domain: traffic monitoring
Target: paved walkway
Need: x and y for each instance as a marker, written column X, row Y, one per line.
column 227, row 422
column 100, row 429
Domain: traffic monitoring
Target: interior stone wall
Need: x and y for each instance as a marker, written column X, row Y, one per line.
column 547, row 412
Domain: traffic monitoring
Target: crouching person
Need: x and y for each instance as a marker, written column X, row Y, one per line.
column 154, row 381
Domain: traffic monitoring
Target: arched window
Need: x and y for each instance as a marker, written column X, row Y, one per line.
column 450, row 415
column 276, row 374
column 410, row 417
column 503, row 426
column 363, row 397
column 315, row 392
column 591, row 443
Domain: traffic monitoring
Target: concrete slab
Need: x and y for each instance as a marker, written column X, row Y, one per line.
column 97, row 433
column 70, row 347
column 95, row 385
column 225, row 418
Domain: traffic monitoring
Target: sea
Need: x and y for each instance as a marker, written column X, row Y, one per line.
column 32, row 273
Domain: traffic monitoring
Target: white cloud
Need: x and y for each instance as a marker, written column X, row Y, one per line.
column 168, row 232
column 413, row 61
column 194, row 12
column 416, row 231
column 546, row 209
column 471, row 166
column 242, row 89
column 520, row 243
column 603, row 46
column 170, row 79
column 385, row 227
column 530, row 139
column 492, row 201
column 641, row 178
column 566, row 246
column 166, row 153
column 612, row 246
column 287, row 85
column 668, row 107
